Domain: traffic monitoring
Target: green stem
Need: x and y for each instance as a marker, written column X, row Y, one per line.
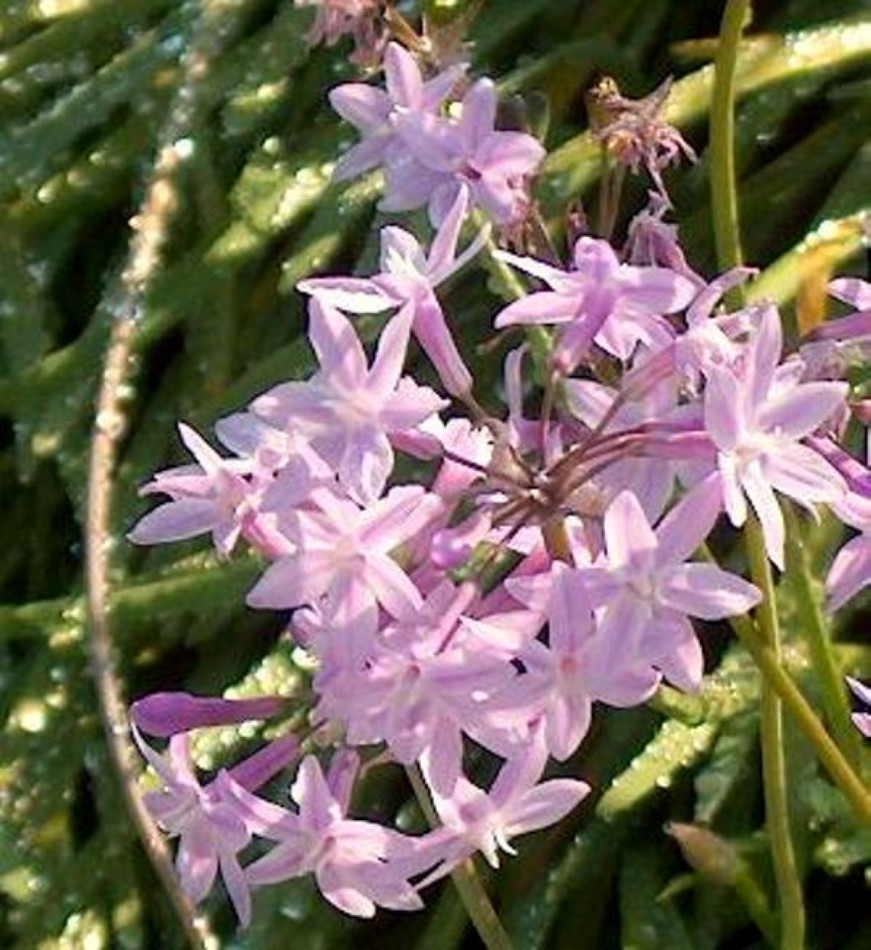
column 774, row 777
column 465, row 879
column 724, row 194
column 830, row 756
column 756, row 904
column 834, row 695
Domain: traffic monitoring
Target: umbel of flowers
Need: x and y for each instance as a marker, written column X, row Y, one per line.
column 547, row 565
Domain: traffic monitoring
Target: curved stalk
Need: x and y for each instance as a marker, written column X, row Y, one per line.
column 774, row 776
column 150, row 228
column 724, row 193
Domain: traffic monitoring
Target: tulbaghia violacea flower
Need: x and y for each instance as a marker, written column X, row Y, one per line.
column 358, row 865
column 425, row 683
column 850, row 572
column 380, row 115
column 647, row 591
column 757, row 421
column 212, row 496
column 208, row 823
column 563, row 679
column 408, row 279
column 516, row 803
column 495, row 165
column 385, row 578
column 615, row 305
column 348, row 410
column 343, row 549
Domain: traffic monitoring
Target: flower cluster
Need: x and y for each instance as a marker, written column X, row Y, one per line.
column 429, row 153
column 547, row 565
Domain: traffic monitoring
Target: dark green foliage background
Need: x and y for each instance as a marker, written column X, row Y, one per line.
column 84, row 91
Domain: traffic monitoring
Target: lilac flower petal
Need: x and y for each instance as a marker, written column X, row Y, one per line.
column 361, row 158
column 507, row 155
column 444, row 758
column 544, row 307
column 236, row 884
column 310, row 790
column 442, row 258
column 411, row 183
column 434, row 336
column 546, row 804
column 366, row 464
column 293, row 580
column 401, row 255
column 733, row 497
column 767, row 509
column 724, row 418
column 850, row 571
column 346, row 897
column 197, row 862
column 336, row 345
column 852, row 290
column 655, row 290
column 532, row 590
column 353, row 294
column 553, row 276
column 262, row 817
column 397, row 517
column 364, row 106
column 257, row 769
column 390, row 357
column 862, row 721
column 392, row 586
column 285, row 861
column 479, row 111
column 862, row 691
column 628, row 536
column 703, row 305
column 569, row 615
column 175, row 521
column 435, row 143
column 706, row 591
column 568, row 721
column 799, row 411
column 172, row 773
column 402, row 76
column 766, row 347
column 804, row 475
column 205, row 455
column 440, row 86
column 682, row 661
column 340, row 778
column 619, row 629
column 588, row 400
column 687, row 525
column 498, row 197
